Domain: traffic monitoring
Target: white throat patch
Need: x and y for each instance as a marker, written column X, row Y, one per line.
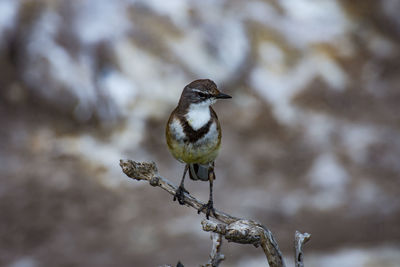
column 199, row 114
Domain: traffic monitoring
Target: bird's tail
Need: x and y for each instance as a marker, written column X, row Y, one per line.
column 198, row 172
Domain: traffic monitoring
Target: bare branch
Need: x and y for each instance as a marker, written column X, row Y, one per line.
column 299, row 240
column 148, row 171
column 234, row 229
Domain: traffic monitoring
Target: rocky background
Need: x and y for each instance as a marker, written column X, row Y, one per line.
column 311, row 138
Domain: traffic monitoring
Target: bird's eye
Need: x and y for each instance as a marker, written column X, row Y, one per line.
column 202, row 94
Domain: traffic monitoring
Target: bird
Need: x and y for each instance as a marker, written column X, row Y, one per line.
column 193, row 136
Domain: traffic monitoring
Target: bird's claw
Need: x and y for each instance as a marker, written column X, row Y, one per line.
column 209, row 207
column 180, row 195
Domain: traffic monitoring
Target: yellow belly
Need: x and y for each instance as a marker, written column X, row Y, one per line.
column 192, row 153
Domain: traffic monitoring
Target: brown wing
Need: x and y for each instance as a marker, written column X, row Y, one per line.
column 167, row 131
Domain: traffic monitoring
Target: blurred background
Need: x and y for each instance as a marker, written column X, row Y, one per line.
column 310, row 139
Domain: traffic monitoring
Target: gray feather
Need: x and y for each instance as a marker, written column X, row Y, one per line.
column 198, row 172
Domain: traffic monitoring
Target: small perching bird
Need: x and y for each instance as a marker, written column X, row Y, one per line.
column 193, row 135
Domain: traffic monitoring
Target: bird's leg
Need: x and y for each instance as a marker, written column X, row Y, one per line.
column 209, row 207
column 179, row 194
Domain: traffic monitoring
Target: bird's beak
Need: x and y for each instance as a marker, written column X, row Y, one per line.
column 222, row 96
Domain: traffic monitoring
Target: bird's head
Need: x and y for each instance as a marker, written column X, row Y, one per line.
column 201, row 92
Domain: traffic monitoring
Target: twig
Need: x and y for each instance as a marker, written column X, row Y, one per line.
column 179, row 264
column 234, row 229
column 215, row 256
column 299, row 240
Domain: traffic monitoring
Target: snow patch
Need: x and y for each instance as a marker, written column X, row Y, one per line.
column 214, row 52
column 330, row 179
column 327, row 173
column 99, row 20
column 119, row 88
column 8, row 12
column 357, row 139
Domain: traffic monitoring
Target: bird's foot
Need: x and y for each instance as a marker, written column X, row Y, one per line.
column 180, row 195
column 209, row 207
